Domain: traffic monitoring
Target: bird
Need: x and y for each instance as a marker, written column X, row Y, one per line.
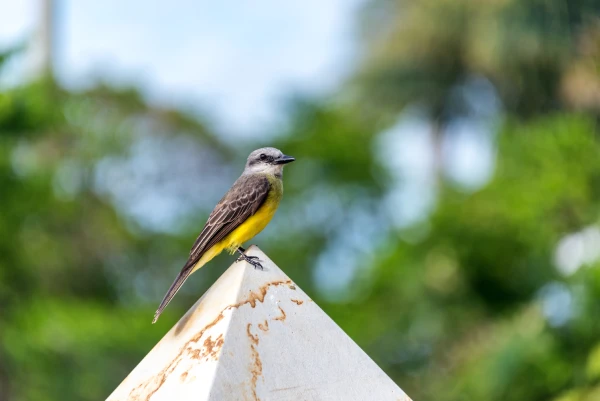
column 243, row 212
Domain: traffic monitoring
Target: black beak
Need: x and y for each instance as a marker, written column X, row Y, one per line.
column 284, row 160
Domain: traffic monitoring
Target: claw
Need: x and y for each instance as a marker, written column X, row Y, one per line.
column 253, row 260
column 255, row 263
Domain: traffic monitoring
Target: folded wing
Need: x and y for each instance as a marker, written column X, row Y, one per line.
column 244, row 198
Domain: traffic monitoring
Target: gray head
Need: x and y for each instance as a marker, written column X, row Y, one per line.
column 267, row 160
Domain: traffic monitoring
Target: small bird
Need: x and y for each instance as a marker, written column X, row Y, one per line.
column 243, row 212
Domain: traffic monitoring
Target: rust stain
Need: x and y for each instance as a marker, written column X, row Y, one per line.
column 256, row 366
column 260, row 295
column 132, row 391
column 283, row 315
column 213, row 347
column 161, row 377
column 183, row 376
column 218, row 346
column 153, row 384
column 292, row 287
column 297, row 301
column 252, row 338
column 264, row 326
column 210, row 349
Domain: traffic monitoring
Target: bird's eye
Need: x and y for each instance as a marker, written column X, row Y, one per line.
column 263, row 156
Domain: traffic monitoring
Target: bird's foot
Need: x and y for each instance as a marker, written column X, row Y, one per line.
column 253, row 260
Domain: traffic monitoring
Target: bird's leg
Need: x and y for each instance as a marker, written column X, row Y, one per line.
column 253, row 260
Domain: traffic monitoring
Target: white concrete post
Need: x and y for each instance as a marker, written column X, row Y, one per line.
column 256, row 336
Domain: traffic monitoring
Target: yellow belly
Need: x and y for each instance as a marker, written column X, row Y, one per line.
column 245, row 231
column 252, row 226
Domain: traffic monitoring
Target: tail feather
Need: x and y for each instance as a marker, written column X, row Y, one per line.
column 191, row 266
column 179, row 280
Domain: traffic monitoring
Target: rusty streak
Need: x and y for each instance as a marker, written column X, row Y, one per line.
column 297, row 301
column 264, row 326
column 158, row 380
column 213, row 347
column 183, row 376
column 210, row 350
column 260, row 296
column 256, row 367
column 283, row 315
column 252, row 338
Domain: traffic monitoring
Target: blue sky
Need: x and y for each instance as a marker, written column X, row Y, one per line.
column 234, row 60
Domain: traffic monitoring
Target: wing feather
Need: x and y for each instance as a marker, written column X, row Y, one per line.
column 244, row 198
column 242, row 201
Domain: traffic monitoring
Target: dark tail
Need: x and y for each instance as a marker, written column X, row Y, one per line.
column 181, row 277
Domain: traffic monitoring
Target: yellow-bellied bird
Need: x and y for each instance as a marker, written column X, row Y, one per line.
column 243, row 212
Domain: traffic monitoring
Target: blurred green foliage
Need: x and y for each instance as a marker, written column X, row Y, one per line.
column 492, row 294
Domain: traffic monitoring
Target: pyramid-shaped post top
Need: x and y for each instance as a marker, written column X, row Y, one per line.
column 255, row 335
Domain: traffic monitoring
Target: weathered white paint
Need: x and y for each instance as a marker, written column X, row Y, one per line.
column 255, row 335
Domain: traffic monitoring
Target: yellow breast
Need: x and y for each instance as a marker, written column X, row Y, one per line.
column 258, row 221
column 249, row 228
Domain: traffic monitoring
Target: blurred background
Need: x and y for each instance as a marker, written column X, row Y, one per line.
column 444, row 208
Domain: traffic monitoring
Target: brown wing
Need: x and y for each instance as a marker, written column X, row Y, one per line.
column 244, row 198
